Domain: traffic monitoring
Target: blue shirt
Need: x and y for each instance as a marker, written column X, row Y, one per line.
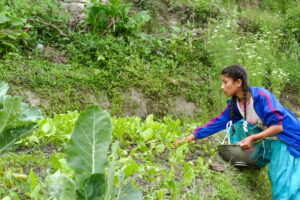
column 270, row 111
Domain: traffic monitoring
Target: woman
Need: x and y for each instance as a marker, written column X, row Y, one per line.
column 264, row 111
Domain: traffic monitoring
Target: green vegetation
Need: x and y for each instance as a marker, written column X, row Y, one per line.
column 135, row 57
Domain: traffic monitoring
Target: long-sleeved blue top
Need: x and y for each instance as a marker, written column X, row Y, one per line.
column 270, row 111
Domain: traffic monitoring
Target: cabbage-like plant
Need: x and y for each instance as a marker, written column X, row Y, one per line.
column 16, row 119
column 87, row 155
column 113, row 17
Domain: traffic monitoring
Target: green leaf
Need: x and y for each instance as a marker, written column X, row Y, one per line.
column 129, row 169
column 87, row 150
column 147, row 134
column 11, row 108
column 16, row 22
column 16, row 119
column 32, row 180
column 47, row 127
column 188, row 177
column 142, row 17
column 160, row 195
column 62, row 187
column 3, row 18
column 93, row 188
column 129, row 192
column 54, row 161
column 10, row 136
column 110, row 173
column 3, row 89
column 30, row 114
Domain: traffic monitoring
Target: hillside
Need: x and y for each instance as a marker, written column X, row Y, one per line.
column 154, row 65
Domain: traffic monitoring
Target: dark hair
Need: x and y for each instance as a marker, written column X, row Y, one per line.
column 237, row 72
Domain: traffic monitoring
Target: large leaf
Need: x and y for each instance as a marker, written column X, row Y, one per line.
column 10, row 136
column 147, row 134
column 3, row 89
column 111, row 172
column 11, row 108
column 88, row 147
column 129, row 192
column 16, row 119
column 93, row 188
column 30, row 114
column 62, row 187
column 124, row 190
column 188, row 177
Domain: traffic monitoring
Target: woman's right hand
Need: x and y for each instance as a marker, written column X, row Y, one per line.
column 188, row 139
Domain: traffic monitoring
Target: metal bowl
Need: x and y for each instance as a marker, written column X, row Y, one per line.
column 237, row 156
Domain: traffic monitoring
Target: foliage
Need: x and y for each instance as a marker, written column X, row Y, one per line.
column 292, row 22
column 87, row 156
column 263, row 54
column 21, row 175
column 113, row 16
column 16, row 119
column 277, row 5
column 196, row 11
column 56, row 130
column 11, row 29
column 145, row 155
column 27, row 23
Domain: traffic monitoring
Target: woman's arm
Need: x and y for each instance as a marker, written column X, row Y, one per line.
column 215, row 125
column 189, row 139
column 270, row 131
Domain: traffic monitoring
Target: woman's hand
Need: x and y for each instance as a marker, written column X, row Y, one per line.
column 188, row 139
column 246, row 143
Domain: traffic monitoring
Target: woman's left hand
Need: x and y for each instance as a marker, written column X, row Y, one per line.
column 246, row 143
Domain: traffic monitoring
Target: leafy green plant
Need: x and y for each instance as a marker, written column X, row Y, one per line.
column 16, row 119
column 22, row 175
column 87, row 156
column 11, row 29
column 56, row 130
column 26, row 23
column 113, row 17
column 196, row 11
column 293, row 22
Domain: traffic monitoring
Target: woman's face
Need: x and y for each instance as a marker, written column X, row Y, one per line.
column 229, row 86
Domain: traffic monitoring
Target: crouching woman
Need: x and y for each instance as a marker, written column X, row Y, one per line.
column 258, row 107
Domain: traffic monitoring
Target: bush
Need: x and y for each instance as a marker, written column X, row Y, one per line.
column 195, row 11
column 292, row 25
column 113, row 17
column 26, row 23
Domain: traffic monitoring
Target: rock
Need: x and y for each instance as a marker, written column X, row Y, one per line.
column 215, row 167
column 134, row 103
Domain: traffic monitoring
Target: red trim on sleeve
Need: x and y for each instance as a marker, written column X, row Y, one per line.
column 270, row 106
column 210, row 122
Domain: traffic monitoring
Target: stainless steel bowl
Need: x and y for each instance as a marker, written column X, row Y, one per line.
column 237, row 156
